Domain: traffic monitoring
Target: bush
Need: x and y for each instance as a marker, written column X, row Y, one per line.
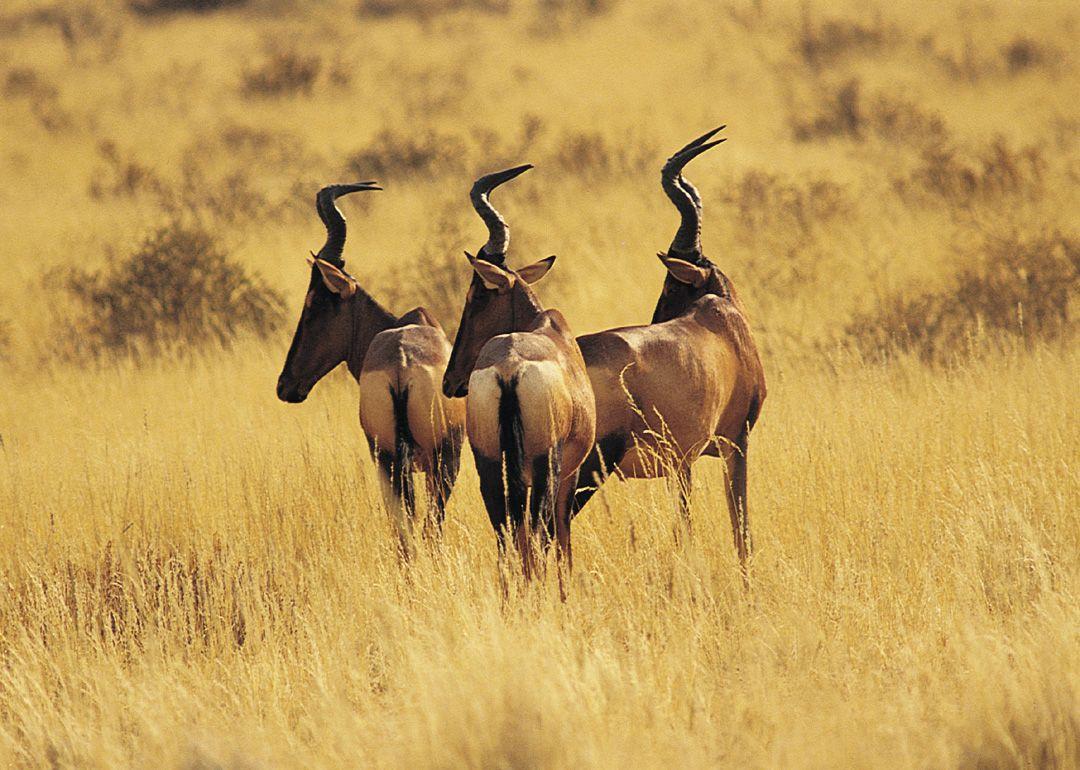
column 825, row 42
column 5, row 340
column 26, row 82
column 964, row 178
column 764, row 201
column 846, row 112
column 283, row 72
column 1021, row 287
column 426, row 9
column 122, row 176
column 1023, row 53
column 177, row 288
column 395, row 155
column 154, row 7
column 590, row 152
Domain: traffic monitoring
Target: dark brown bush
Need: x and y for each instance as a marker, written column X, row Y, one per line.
column 26, row 82
column 821, row 43
column 154, row 7
column 421, row 153
column 846, row 112
column 122, row 175
column 963, row 178
column 591, row 152
column 765, row 201
column 284, row 72
column 1024, row 53
column 178, row 288
column 5, row 340
column 1022, row 287
column 426, row 9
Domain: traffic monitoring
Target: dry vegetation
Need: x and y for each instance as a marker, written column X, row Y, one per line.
column 197, row 575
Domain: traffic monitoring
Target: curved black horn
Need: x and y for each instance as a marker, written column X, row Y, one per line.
column 683, row 181
column 333, row 219
column 685, row 196
column 498, row 231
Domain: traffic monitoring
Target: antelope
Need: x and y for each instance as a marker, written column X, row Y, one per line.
column 396, row 361
column 529, row 406
column 688, row 384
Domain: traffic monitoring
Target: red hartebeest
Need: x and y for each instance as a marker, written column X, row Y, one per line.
column 690, row 383
column 397, row 362
column 529, row 406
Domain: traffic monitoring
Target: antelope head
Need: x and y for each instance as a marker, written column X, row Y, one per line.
column 499, row 299
column 690, row 274
column 325, row 331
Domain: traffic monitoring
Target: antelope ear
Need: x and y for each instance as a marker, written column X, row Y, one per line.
column 493, row 276
column 537, row 270
column 337, row 280
column 684, row 271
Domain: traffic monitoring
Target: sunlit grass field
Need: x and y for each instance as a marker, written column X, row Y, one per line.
column 197, row 575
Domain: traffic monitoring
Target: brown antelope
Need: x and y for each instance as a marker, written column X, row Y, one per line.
column 688, row 384
column 529, row 406
column 397, row 362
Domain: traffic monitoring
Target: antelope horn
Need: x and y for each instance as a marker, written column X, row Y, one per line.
column 685, row 196
column 683, row 181
column 498, row 231
column 335, row 223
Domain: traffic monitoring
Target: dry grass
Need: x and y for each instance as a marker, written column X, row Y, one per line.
column 197, row 575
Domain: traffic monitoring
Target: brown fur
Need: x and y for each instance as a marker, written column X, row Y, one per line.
column 389, row 357
column 506, row 340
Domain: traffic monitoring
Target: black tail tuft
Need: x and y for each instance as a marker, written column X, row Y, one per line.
column 401, row 476
column 512, row 444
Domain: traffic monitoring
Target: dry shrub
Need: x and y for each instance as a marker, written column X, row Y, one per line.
column 421, row 153
column 765, row 201
column 226, row 196
column 824, row 42
column 593, row 153
column 964, row 178
column 178, row 288
column 557, row 16
column 282, row 73
column 967, row 62
column 846, row 112
column 1023, row 53
column 154, row 7
column 1017, row 286
column 426, row 9
column 42, row 95
column 783, row 229
column 77, row 24
column 122, row 175
column 5, row 340
column 28, row 83
column 259, row 144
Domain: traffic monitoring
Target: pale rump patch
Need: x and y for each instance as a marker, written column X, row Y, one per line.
column 413, row 358
column 377, row 408
column 482, row 412
column 545, row 403
column 430, row 412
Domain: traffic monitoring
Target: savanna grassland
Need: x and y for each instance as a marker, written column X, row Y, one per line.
column 197, row 575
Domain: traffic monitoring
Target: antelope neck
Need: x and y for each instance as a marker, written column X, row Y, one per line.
column 368, row 319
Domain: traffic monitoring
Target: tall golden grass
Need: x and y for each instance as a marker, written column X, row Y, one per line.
column 196, row 575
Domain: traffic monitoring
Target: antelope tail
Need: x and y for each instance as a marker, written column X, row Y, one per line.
column 512, row 444
column 403, row 442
